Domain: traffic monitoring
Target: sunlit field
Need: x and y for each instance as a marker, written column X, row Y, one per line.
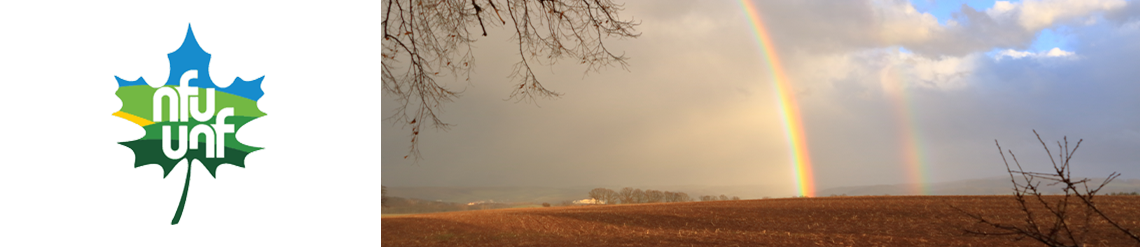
column 828, row 221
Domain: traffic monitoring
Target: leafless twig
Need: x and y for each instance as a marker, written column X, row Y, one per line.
column 432, row 36
column 1067, row 219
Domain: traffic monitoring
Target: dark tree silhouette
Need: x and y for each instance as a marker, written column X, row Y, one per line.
column 424, row 38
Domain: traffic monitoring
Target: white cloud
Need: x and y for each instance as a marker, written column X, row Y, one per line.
column 1011, row 53
column 1036, row 15
column 902, row 23
column 846, row 26
column 1001, row 9
column 876, row 73
column 1057, row 52
column 1014, row 54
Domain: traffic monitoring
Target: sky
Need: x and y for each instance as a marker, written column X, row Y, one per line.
column 889, row 92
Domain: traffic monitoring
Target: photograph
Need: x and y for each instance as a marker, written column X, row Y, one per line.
column 760, row 123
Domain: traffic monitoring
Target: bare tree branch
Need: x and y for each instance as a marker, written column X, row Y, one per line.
column 430, row 37
column 1068, row 218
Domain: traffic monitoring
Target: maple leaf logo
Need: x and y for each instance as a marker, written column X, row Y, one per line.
column 189, row 117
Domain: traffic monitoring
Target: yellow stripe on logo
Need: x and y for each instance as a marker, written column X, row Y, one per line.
column 130, row 117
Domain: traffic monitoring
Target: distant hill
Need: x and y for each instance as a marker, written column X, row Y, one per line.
column 987, row 186
column 496, row 194
column 553, row 195
column 400, row 205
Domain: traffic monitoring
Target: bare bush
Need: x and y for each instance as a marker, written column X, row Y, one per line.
column 1061, row 220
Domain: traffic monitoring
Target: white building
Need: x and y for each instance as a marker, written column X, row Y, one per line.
column 480, row 202
column 588, row 201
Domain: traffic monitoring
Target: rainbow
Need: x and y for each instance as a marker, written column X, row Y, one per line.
column 789, row 111
column 913, row 156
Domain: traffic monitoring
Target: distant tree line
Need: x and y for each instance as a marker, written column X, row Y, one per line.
column 400, row 205
column 719, row 198
column 629, row 195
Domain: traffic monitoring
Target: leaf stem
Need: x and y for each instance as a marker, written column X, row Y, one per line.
column 186, row 188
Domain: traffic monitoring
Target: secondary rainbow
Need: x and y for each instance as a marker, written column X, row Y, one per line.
column 910, row 137
column 789, row 111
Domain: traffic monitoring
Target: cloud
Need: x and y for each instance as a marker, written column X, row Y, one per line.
column 1035, row 15
column 860, row 73
column 1014, row 54
column 967, row 82
column 698, row 105
column 828, row 27
column 829, row 46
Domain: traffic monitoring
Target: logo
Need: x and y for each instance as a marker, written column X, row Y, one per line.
column 189, row 118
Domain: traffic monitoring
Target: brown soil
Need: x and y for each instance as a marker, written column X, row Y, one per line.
column 831, row 221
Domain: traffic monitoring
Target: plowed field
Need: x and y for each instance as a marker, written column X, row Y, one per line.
column 830, row 221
